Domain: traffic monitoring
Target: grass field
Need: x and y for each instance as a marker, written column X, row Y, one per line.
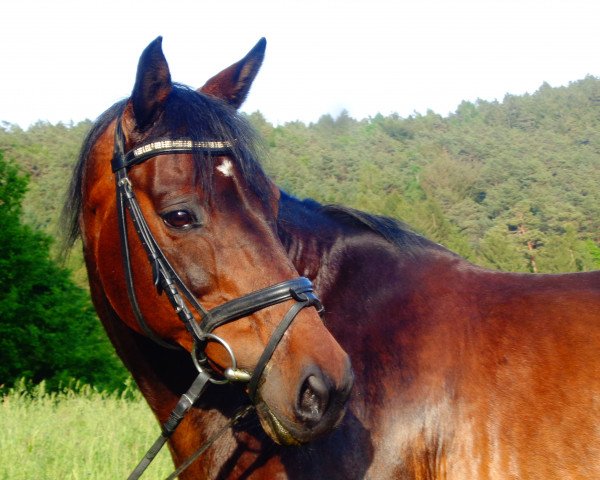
column 82, row 434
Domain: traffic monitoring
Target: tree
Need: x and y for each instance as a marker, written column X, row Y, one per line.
column 498, row 249
column 48, row 328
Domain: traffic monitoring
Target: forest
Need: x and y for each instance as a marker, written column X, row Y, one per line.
column 511, row 185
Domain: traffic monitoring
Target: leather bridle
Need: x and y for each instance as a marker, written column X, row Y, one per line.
column 166, row 280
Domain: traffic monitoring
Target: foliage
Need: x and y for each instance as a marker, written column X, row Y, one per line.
column 46, row 153
column 512, row 185
column 75, row 434
column 49, row 329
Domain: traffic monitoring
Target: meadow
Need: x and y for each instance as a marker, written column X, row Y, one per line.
column 78, row 433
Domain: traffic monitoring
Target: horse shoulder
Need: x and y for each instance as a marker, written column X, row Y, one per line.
column 479, row 372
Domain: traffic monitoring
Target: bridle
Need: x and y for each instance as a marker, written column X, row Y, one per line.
column 166, row 280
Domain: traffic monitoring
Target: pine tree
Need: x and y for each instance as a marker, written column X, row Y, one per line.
column 48, row 328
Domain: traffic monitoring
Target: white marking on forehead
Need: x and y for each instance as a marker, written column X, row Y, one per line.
column 226, row 168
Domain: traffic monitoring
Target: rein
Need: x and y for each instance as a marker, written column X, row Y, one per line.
column 166, row 280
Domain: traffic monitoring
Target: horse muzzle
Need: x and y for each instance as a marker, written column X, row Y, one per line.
column 319, row 406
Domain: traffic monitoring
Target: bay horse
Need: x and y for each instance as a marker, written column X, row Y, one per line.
column 186, row 272
column 459, row 372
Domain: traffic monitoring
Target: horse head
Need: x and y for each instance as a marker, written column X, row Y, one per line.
column 205, row 205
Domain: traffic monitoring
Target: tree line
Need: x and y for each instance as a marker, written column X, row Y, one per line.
column 510, row 185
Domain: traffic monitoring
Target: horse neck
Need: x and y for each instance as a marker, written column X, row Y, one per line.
column 347, row 261
column 307, row 235
column 321, row 245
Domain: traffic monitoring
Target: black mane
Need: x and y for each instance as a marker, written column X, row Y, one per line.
column 394, row 231
column 187, row 114
column 309, row 214
column 73, row 202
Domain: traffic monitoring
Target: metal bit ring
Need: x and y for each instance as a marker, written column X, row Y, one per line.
column 200, row 363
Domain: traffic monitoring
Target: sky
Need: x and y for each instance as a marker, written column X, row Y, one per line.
column 67, row 61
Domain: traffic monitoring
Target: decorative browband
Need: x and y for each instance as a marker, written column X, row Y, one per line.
column 144, row 152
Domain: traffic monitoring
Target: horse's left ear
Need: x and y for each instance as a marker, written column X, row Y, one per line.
column 152, row 84
column 233, row 83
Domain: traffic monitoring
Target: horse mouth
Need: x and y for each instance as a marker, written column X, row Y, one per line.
column 285, row 433
column 274, row 428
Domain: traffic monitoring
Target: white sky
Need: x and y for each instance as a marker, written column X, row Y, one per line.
column 70, row 60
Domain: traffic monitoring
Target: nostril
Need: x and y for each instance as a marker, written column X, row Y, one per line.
column 313, row 399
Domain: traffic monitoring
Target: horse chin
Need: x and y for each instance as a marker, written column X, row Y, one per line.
column 286, row 433
column 274, row 428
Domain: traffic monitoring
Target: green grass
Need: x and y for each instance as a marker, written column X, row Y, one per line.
column 76, row 434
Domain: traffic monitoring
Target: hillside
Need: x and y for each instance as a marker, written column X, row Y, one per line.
column 512, row 185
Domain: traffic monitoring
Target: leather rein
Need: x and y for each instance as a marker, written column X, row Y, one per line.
column 166, row 280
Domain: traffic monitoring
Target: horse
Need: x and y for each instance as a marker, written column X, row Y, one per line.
column 458, row 371
column 187, row 273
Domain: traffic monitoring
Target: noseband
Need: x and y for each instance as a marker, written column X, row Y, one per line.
column 166, row 280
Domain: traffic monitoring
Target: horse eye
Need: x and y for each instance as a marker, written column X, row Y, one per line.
column 179, row 219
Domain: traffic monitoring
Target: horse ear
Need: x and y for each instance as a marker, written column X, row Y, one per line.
column 152, row 84
column 233, row 83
